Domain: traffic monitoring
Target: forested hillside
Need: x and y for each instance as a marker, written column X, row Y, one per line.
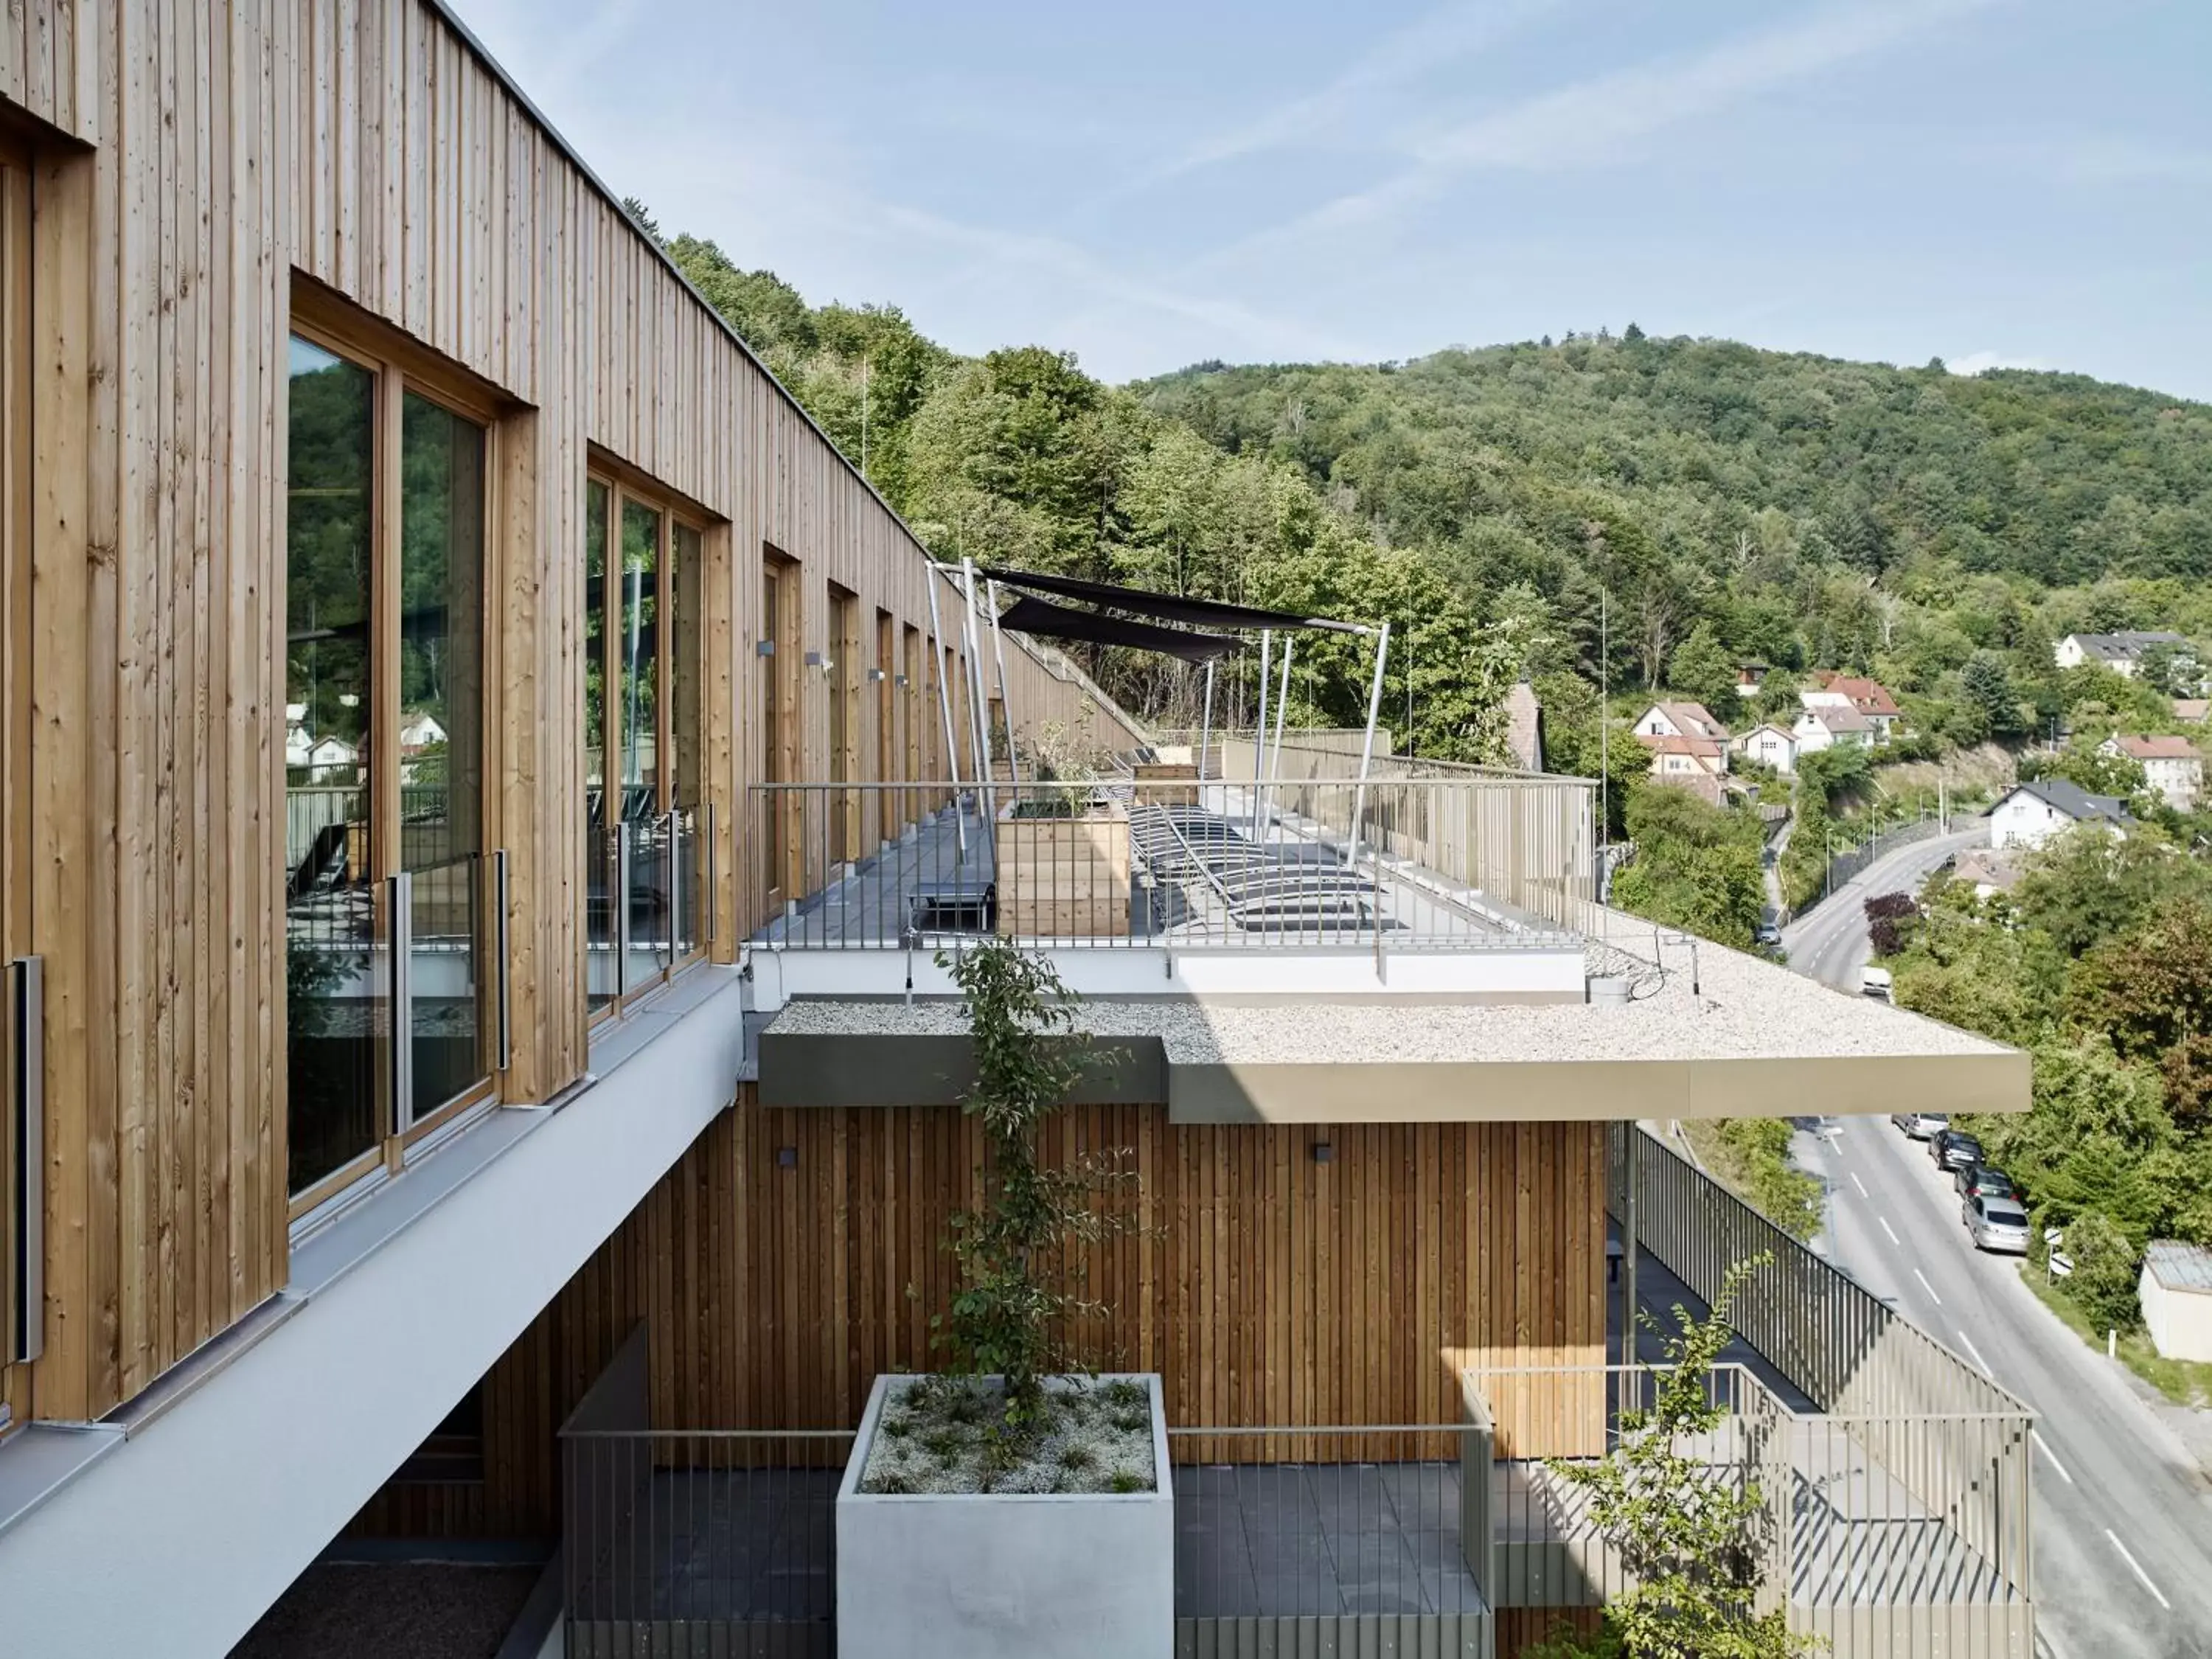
column 1935, row 531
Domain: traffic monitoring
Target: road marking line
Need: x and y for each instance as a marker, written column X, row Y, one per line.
column 1930, row 1289
column 1972, row 1350
column 1893, row 1238
column 2137, row 1565
column 2036, row 1435
column 1860, row 1185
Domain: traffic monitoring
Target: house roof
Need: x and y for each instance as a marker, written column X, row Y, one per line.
column 2072, row 799
column 1693, row 717
column 1868, row 696
column 1703, row 747
column 2178, row 1266
column 2155, row 748
column 1783, row 732
column 1985, row 867
column 1837, row 718
column 2191, row 708
column 2125, row 645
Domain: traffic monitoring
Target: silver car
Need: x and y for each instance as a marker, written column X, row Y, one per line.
column 1921, row 1125
column 1995, row 1224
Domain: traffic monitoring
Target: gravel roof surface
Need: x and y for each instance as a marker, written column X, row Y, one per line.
column 1744, row 1009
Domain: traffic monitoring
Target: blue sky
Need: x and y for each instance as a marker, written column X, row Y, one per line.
column 1149, row 184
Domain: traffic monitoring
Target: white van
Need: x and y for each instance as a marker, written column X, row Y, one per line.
column 1875, row 982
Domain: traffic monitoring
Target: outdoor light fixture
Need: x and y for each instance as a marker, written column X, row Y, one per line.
column 765, row 647
column 1323, row 1152
column 786, row 1157
column 875, row 675
column 816, row 659
column 900, row 679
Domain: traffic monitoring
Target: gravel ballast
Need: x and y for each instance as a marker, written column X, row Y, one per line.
column 937, row 1436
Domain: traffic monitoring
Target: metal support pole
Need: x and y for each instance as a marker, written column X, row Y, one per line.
column 1282, row 708
column 944, row 706
column 1367, row 745
column 622, row 907
column 1005, row 697
column 1260, row 730
column 1205, row 726
column 979, row 703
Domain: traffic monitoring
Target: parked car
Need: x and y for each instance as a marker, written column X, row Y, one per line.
column 1876, row 982
column 1954, row 1149
column 1767, row 934
column 1980, row 1180
column 1995, row 1224
column 1921, row 1125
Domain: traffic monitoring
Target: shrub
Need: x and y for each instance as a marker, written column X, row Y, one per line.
column 2105, row 1265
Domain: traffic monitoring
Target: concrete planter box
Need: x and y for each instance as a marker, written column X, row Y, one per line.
column 991, row 1576
column 1063, row 878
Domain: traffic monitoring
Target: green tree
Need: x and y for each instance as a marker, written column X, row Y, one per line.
column 1697, row 865
column 2103, row 1284
column 1013, row 1252
column 1986, row 685
column 1706, row 670
column 1693, row 1540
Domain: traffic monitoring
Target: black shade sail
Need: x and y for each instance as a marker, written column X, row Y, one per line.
column 1056, row 622
column 1199, row 613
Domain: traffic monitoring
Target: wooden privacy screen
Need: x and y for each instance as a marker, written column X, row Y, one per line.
column 1268, row 1286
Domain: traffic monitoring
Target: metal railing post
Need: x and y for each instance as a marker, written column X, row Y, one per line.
column 712, row 890
column 675, row 887
column 499, row 953
column 399, row 891
column 622, row 907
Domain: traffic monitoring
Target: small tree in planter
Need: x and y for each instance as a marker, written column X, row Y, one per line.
column 1025, row 1429
column 1009, row 1507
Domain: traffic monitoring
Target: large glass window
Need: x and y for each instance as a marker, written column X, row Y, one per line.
column 383, row 764
column 643, row 801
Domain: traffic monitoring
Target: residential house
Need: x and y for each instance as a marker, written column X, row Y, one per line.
column 1870, row 698
column 2173, row 767
column 1751, row 678
column 350, row 1151
column 2120, row 652
column 1698, row 764
column 2191, row 711
column 1830, row 724
column 2030, row 814
column 1769, row 745
column 1679, row 719
column 1986, row 870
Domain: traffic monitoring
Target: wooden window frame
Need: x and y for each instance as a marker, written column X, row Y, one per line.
column 782, row 829
column 400, row 366
column 625, row 484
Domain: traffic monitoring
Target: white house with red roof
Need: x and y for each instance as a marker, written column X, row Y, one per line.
column 1867, row 698
column 1831, row 726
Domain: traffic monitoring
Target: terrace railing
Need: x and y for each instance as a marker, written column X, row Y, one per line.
column 23, row 1163
column 1844, row 1537
column 1948, row 1434
column 1146, row 860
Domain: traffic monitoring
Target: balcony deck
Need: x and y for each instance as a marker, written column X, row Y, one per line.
column 1212, row 871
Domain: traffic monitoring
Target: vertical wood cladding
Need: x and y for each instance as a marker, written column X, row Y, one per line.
column 244, row 149
column 1266, row 1286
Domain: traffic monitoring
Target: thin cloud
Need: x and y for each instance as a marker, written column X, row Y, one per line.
column 1397, row 60
column 1598, row 120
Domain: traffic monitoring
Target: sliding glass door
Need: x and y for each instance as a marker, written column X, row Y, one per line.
column 647, row 897
column 388, row 986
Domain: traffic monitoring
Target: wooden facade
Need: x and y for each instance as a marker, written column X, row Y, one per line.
column 794, row 1255
column 202, row 174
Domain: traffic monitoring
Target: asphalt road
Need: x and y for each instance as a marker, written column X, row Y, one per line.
column 2123, row 1514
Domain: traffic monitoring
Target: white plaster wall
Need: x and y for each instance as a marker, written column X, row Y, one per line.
column 2180, row 1321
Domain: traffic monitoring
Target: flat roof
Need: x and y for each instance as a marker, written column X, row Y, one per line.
column 1752, row 1040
